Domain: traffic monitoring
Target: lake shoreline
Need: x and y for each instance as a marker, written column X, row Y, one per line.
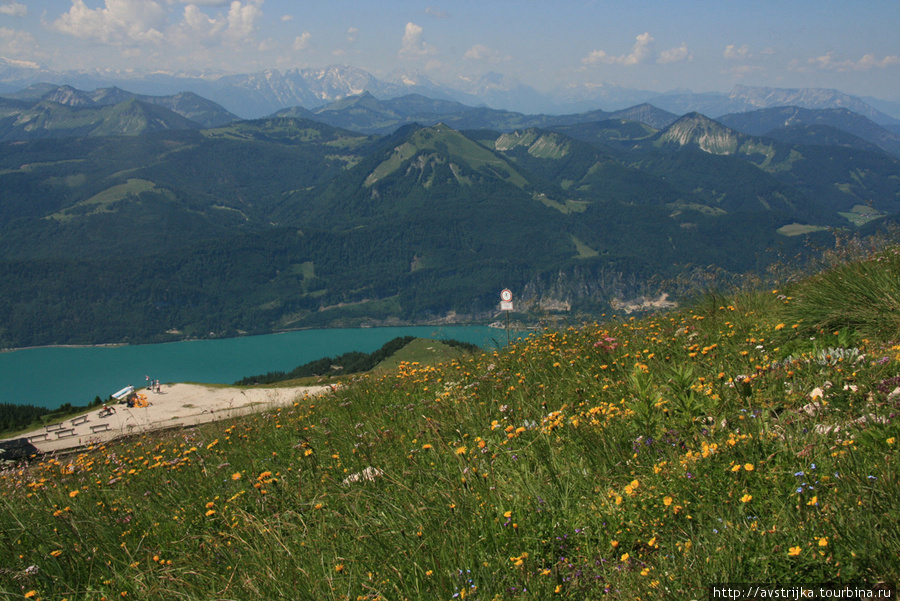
column 51, row 376
column 210, row 338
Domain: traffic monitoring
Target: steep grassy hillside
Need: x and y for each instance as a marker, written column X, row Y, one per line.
column 744, row 439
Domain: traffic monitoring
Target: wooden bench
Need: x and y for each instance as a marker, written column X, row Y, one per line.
column 65, row 433
column 42, row 436
column 52, row 427
column 79, row 420
column 99, row 428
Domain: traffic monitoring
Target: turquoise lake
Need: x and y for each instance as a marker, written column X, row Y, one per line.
column 49, row 377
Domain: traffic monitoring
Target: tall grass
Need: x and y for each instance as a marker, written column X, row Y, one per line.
column 641, row 459
column 862, row 295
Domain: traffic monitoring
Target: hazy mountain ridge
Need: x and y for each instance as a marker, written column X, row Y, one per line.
column 367, row 114
column 762, row 122
column 203, row 112
column 265, row 92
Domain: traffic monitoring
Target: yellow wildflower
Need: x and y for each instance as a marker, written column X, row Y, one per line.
column 794, row 551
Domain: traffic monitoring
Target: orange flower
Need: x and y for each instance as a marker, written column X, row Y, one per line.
column 794, row 551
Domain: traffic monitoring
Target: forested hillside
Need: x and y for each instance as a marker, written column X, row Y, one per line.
column 286, row 222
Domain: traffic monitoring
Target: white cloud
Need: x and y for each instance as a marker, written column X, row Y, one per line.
column 13, row 9
column 199, row 26
column 119, row 21
column 234, row 27
column 242, row 18
column 866, row 63
column 413, row 45
column 480, row 52
column 301, row 42
column 674, row 55
column 639, row 53
column 351, row 34
column 732, row 52
column 129, row 22
column 286, row 18
column 14, row 42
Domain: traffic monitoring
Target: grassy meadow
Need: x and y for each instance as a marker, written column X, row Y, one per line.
column 749, row 437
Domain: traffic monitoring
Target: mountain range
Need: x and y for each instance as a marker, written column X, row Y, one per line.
column 415, row 209
column 263, row 93
column 45, row 110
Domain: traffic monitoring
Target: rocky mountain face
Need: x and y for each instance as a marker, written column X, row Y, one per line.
column 700, row 131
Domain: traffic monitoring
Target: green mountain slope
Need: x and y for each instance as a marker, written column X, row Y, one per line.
column 283, row 223
column 48, row 119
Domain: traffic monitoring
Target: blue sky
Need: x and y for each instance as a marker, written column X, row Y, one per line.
column 549, row 44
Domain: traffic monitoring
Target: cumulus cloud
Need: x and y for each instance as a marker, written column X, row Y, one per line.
column 674, row 55
column 413, row 45
column 351, row 34
column 286, row 18
column 242, row 18
column 480, row 52
column 639, row 53
column 301, row 42
column 131, row 22
column 197, row 25
column 867, row 62
column 13, row 9
column 118, row 21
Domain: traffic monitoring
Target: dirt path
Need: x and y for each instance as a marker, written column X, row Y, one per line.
column 177, row 405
